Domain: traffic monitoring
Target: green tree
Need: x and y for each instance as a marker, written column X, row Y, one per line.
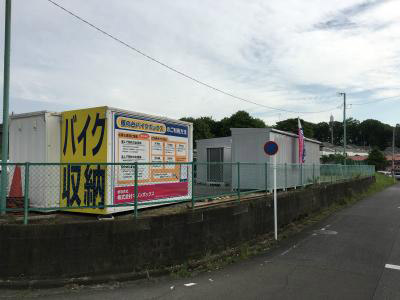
column 206, row 127
column 322, row 132
column 353, row 132
column 332, row 159
column 291, row 125
column 397, row 136
column 378, row 159
column 375, row 133
column 367, row 133
column 240, row 119
column 203, row 127
column 338, row 133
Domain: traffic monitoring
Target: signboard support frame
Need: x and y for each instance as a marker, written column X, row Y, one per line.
column 136, row 190
column 26, row 193
column 193, row 200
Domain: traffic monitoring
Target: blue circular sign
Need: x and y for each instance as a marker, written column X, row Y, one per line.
column 271, row 148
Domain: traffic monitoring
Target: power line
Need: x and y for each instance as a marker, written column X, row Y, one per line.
column 176, row 70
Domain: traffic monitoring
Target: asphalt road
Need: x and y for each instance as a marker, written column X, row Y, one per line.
column 346, row 256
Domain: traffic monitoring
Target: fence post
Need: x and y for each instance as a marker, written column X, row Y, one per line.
column 238, row 182
column 313, row 173
column 341, row 172
column 301, row 174
column 193, row 200
column 136, row 190
column 286, row 181
column 26, row 194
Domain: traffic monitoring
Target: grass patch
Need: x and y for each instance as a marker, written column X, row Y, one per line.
column 266, row 242
column 382, row 182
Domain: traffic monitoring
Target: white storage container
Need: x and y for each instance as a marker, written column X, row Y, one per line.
column 104, row 134
column 96, row 136
column 35, row 137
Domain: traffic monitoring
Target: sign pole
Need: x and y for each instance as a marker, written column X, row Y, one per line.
column 275, row 203
column 271, row 148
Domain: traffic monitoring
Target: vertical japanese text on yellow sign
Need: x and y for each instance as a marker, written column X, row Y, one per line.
column 84, row 139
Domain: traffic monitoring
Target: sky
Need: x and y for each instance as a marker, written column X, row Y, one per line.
column 293, row 55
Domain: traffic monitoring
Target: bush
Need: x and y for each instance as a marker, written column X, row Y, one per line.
column 378, row 159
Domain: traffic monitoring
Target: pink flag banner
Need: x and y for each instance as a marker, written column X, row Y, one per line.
column 302, row 149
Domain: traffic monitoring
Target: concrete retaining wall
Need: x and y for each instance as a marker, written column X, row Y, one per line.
column 104, row 247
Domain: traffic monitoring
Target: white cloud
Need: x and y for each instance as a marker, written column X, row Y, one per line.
column 276, row 53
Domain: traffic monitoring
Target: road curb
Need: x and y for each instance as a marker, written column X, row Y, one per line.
column 18, row 284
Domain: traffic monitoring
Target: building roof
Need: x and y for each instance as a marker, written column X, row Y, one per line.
column 389, row 150
column 396, row 157
column 31, row 114
column 269, row 129
column 217, row 139
column 364, row 157
column 358, row 157
column 350, row 148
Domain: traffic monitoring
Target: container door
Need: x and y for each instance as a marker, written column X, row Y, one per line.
column 215, row 168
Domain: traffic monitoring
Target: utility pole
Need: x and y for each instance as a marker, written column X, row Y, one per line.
column 331, row 121
column 6, row 88
column 394, row 130
column 344, row 125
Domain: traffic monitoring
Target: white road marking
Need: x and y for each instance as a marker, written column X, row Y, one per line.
column 324, row 231
column 394, row 267
column 286, row 252
column 190, row 284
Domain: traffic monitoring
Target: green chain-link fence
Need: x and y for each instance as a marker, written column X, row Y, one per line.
column 107, row 188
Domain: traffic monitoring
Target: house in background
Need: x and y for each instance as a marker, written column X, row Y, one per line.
column 351, row 150
column 396, row 162
column 359, row 158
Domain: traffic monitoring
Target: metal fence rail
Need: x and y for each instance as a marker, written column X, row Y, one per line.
column 106, row 188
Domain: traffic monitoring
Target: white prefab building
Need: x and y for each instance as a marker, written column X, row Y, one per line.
column 210, row 154
column 35, row 138
column 247, row 147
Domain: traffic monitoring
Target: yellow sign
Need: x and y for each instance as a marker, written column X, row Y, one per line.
column 84, row 140
column 141, row 125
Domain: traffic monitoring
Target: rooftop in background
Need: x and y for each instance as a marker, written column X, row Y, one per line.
column 358, row 157
column 352, row 150
column 396, row 157
column 364, row 157
column 389, row 151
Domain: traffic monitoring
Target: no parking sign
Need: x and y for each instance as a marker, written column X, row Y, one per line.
column 271, row 148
